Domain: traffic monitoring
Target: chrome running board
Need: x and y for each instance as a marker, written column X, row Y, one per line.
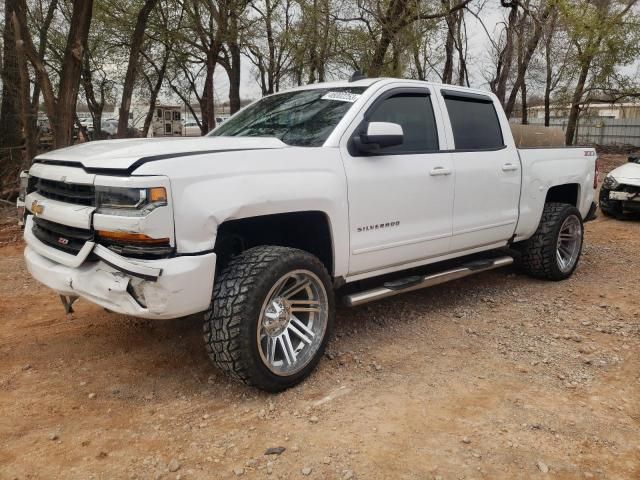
column 417, row 282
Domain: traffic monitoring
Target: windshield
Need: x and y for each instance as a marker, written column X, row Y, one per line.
column 303, row 118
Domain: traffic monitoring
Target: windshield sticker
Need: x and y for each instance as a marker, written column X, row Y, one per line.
column 341, row 96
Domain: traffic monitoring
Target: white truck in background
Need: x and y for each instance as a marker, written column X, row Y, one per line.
column 371, row 187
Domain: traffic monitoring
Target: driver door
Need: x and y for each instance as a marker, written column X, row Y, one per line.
column 400, row 198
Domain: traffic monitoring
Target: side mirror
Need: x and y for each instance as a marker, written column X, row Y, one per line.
column 379, row 135
column 634, row 159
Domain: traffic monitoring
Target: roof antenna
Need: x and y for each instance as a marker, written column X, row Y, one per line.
column 357, row 75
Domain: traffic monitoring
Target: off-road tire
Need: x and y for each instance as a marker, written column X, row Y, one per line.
column 538, row 254
column 231, row 322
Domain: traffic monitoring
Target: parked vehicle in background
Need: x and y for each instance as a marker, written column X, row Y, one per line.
column 375, row 187
column 620, row 192
column 191, row 129
column 167, row 122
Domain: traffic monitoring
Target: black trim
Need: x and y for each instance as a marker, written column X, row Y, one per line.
column 476, row 97
column 591, row 214
column 392, row 93
column 149, row 278
column 195, row 254
column 141, row 161
column 463, row 150
column 473, row 98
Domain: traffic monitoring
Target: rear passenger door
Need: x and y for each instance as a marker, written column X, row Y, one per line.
column 400, row 198
column 488, row 172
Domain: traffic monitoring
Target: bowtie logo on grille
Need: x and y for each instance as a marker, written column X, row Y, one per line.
column 36, row 208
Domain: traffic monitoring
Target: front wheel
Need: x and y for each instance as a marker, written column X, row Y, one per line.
column 554, row 249
column 270, row 317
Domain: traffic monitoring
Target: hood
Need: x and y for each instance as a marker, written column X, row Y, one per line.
column 129, row 154
column 629, row 173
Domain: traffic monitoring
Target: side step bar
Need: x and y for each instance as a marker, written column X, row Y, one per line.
column 417, row 282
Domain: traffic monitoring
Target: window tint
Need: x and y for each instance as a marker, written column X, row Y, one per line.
column 475, row 124
column 412, row 111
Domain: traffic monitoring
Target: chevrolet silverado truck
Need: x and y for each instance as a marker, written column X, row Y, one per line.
column 371, row 187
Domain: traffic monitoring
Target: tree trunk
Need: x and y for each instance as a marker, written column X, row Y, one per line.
column 525, row 59
column 447, row 71
column 206, row 101
column 525, row 104
column 234, row 66
column 547, row 86
column 134, row 53
column 506, row 57
column 155, row 91
column 391, row 23
column 10, row 118
column 463, row 74
column 71, row 69
column 35, row 95
column 26, row 113
column 576, row 99
column 95, row 106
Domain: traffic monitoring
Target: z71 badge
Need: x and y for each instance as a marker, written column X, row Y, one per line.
column 378, row 226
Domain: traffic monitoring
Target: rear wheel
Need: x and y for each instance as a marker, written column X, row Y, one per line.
column 270, row 317
column 554, row 249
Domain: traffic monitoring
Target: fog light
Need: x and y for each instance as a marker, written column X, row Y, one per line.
column 136, row 290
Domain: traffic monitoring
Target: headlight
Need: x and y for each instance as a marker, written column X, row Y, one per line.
column 610, row 183
column 133, row 202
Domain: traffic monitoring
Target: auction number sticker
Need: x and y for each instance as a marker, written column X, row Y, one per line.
column 341, row 96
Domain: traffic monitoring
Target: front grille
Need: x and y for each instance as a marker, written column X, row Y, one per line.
column 68, row 239
column 628, row 188
column 74, row 193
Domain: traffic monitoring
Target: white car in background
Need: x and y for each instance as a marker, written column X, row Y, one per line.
column 620, row 192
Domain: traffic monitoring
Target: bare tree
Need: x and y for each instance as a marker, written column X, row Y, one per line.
column 61, row 107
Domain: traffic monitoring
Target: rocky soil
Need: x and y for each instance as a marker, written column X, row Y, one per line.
column 494, row 376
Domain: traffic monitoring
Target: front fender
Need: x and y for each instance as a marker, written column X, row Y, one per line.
column 211, row 189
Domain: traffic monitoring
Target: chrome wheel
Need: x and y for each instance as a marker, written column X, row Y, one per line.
column 569, row 243
column 292, row 322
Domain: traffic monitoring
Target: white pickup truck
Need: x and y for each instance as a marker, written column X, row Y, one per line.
column 372, row 187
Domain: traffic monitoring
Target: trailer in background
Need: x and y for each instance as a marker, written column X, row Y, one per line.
column 167, row 121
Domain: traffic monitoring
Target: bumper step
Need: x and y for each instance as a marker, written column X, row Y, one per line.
column 409, row 284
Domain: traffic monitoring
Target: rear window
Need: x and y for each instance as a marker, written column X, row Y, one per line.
column 474, row 122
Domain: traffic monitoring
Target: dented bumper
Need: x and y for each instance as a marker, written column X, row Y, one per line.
column 183, row 285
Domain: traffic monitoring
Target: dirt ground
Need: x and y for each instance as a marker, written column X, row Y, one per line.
column 494, row 376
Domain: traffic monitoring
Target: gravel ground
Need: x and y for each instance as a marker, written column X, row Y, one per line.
column 493, row 376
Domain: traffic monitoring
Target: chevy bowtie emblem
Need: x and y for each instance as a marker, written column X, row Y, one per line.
column 36, row 208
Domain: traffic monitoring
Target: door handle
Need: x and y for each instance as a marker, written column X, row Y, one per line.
column 437, row 171
column 509, row 167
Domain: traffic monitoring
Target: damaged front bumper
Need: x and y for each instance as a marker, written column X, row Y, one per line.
column 157, row 289
column 621, row 199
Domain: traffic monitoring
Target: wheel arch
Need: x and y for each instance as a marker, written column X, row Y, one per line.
column 308, row 230
column 568, row 193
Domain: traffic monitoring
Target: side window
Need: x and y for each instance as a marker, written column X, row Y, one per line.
column 475, row 123
column 412, row 111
